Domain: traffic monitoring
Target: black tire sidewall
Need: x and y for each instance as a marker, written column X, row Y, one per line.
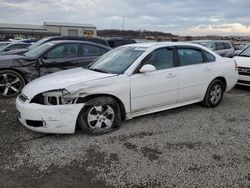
column 22, row 82
column 206, row 100
column 99, row 101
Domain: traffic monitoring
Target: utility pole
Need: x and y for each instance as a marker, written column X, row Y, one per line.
column 123, row 23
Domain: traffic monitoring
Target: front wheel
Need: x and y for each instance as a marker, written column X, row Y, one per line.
column 100, row 115
column 214, row 94
column 11, row 83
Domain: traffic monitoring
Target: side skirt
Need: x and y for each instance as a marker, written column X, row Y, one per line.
column 159, row 109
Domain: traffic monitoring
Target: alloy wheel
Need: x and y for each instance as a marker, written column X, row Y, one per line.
column 10, row 84
column 216, row 93
column 100, row 117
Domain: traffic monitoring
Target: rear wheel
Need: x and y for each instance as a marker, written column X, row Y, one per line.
column 11, row 83
column 100, row 115
column 214, row 94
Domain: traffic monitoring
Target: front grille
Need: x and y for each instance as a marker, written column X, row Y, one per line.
column 244, row 71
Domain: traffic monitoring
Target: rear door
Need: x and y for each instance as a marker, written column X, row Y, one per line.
column 195, row 69
column 229, row 49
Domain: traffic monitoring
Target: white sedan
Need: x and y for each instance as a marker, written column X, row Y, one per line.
column 243, row 62
column 127, row 82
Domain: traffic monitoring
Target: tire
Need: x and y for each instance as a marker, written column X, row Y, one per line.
column 11, row 83
column 214, row 94
column 100, row 115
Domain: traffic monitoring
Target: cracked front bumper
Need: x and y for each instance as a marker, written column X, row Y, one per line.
column 58, row 119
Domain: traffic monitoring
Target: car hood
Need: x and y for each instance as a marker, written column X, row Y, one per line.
column 9, row 57
column 242, row 61
column 17, row 51
column 62, row 80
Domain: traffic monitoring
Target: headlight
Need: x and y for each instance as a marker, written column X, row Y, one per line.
column 57, row 97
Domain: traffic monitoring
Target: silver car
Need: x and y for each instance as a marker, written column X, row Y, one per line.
column 222, row 47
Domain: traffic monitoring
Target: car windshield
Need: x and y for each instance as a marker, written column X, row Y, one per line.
column 35, row 52
column 245, row 53
column 117, row 61
column 38, row 43
column 3, row 44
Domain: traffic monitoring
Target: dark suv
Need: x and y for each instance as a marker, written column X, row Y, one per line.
column 116, row 42
column 44, row 40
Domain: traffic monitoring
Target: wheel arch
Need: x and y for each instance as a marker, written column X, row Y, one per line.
column 18, row 71
column 223, row 80
column 120, row 103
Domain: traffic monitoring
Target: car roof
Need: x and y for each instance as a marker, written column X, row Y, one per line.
column 97, row 40
column 77, row 41
column 156, row 45
column 210, row 41
column 159, row 44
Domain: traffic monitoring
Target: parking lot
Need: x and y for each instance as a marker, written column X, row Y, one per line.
column 190, row 146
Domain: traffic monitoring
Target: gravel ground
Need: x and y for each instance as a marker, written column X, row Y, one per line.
column 190, row 146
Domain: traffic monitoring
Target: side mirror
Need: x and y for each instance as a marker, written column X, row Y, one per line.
column 147, row 68
column 44, row 56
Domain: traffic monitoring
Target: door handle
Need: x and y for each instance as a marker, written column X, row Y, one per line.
column 171, row 75
column 207, row 69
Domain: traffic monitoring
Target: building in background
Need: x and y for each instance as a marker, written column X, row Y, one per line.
column 45, row 30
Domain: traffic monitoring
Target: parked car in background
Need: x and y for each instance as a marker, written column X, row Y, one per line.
column 16, row 71
column 116, row 42
column 222, row 47
column 14, row 46
column 243, row 62
column 2, row 44
column 126, row 82
column 56, row 38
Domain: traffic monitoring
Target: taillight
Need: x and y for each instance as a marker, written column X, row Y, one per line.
column 235, row 66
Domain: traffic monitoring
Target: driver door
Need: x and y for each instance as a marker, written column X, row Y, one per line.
column 158, row 88
column 62, row 57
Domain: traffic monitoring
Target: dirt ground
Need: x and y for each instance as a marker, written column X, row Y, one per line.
column 190, row 146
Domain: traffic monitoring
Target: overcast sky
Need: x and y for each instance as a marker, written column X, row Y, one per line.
column 184, row 17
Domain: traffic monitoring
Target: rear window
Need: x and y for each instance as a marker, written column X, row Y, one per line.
column 219, row 46
column 188, row 56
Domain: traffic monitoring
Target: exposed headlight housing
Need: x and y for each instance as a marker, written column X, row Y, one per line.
column 54, row 97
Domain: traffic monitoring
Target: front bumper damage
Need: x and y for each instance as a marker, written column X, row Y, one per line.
column 57, row 119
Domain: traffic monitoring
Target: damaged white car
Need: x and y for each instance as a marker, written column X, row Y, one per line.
column 126, row 82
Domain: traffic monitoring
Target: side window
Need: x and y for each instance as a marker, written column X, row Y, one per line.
column 57, row 52
column 189, row 56
column 212, row 46
column 73, row 50
column 226, row 45
column 118, row 43
column 64, row 51
column 89, row 50
column 210, row 57
column 103, row 51
column 219, row 46
column 161, row 59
